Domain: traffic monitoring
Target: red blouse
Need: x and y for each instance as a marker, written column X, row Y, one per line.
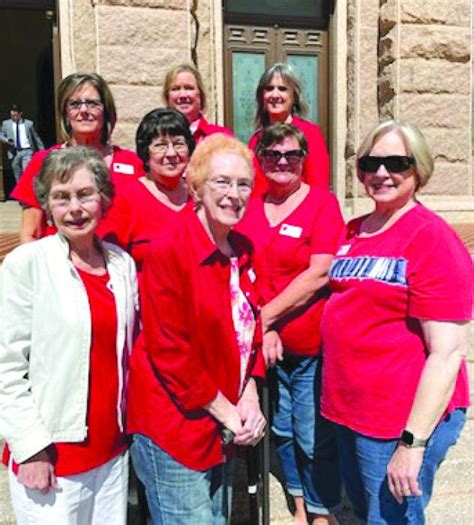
column 188, row 350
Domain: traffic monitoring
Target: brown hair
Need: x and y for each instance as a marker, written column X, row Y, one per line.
column 67, row 87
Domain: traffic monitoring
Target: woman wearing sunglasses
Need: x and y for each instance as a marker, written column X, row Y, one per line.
column 280, row 98
column 395, row 334
column 295, row 229
column 87, row 116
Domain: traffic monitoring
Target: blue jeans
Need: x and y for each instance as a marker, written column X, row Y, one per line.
column 364, row 462
column 305, row 441
column 178, row 495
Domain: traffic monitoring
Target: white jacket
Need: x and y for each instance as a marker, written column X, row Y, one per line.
column 45, row 339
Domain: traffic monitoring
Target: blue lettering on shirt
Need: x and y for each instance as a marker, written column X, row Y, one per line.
column 386, row 269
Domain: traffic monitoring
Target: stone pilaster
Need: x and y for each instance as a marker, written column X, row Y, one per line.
column 424, row 77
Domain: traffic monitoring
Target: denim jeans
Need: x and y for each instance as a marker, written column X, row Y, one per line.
column 305, row 441
column 364, row 462
column 178, row 495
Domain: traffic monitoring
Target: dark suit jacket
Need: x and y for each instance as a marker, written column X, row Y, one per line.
column 8, row 132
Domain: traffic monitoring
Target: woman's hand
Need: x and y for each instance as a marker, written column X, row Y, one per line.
column 403, row 470
column 253, row 421
column 37, row 473
column 225, row 412
column 272, row 348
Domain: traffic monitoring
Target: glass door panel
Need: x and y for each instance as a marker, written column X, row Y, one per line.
column 247, row 68
column 306, row 67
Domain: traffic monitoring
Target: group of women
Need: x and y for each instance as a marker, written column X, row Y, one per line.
column 243, row 261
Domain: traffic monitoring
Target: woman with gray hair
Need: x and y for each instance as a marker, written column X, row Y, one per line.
column 280, row 99
column 395, row 334
column 68, row 311
column 87, row 116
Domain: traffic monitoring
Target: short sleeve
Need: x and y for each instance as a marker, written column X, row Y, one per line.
column 327, row 227
column 440, row 275
column 24, row 191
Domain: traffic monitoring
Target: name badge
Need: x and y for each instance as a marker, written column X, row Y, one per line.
column 126, row 169
column 344, row 249
column 251, row 275
column 291, row 231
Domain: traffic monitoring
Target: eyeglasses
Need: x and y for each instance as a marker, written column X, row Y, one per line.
column 180, row 146
column 92, row 105
column 64, row 199
column 292, row 157
column 223, row 185
column 392, row 163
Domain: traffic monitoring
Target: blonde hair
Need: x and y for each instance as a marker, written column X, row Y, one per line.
column 184, row 68
column 199, row 166
column 415, row 144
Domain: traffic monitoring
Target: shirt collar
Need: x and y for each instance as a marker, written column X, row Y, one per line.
column 208, row 252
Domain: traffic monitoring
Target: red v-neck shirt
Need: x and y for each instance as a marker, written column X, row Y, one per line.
column 284, row 251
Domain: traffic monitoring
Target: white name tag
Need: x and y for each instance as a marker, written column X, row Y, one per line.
column 344, row 249
column 126, row 169
column 291, row 231
column 251, row 275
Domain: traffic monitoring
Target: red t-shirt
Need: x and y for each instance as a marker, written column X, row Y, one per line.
column 373, row 346
column 136, row 218
column 189, row 349
column 316, row 163
column 124, row 163
column 284, row 251
column 104, row 440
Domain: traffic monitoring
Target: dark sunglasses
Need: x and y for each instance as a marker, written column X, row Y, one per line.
column 273, row 156
column 393, row 163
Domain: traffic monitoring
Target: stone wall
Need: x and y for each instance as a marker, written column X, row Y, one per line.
column 131, row 43
column 411, row 59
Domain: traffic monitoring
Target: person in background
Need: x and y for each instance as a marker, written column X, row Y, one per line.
column 68, row 317
column 295, row 229
column 280, row 98
column 146, row 207
column 184, row 91
column 87, row 116
column 21, row 138
column 195, row 375
column 395, row 334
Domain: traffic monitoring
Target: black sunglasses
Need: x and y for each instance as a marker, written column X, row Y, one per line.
column 273, row 156
column 393, row 163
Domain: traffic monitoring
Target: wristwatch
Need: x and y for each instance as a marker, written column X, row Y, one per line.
column 407, row 439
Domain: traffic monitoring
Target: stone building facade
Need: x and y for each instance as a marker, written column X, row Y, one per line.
column 408, row 59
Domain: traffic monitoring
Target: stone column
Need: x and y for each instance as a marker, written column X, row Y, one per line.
column 425, row 77
column 362, row 107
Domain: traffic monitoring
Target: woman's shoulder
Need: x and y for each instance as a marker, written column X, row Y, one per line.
column 430, row 227
column 25, row 254
column 306, row 126
column 126, row 162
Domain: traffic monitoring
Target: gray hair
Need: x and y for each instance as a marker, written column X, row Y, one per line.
column 60, row 165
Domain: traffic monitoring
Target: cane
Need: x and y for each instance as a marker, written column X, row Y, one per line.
column 227, row 438
column 254, row 484
column 265, row 458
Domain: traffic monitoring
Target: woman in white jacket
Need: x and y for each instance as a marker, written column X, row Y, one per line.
column 68, row 307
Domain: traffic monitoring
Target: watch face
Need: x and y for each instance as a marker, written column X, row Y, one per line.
column 407, row 437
